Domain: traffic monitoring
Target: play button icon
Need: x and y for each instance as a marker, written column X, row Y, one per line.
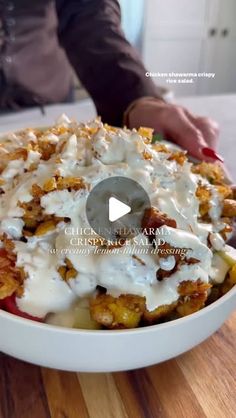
column 115, row 207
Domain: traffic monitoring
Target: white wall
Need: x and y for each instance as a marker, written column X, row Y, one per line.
column 185, row 36
column 132, row 12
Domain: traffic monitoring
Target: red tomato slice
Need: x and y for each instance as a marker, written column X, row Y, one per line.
column 9, row 305
column 3, row 252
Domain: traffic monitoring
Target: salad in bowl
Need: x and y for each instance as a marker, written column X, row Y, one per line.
column 55, row 269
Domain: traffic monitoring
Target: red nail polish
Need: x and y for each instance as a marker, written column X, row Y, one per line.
column 209, row 152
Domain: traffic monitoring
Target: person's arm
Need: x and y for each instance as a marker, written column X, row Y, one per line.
column 112, row 72
column 107, row 65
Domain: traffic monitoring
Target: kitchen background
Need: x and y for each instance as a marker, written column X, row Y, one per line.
column 174, row 36
column 185, row 36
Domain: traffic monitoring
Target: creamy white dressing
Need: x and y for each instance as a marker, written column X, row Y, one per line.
column 218, row 269
column 217, row 241
column 195, row 248
column 167, row 263
column 44, row 290
column 171, row 188
column 32, row 158
column 63, row 120
column 9, row 201
column 13, row 168
column 216, row 205
column 62, row 202
column 52, row 138
column 12, row 227
column 166, row 291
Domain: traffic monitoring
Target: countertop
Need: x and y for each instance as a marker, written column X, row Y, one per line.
column 221, row 108
column 197, row 384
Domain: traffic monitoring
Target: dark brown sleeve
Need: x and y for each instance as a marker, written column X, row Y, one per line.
column 107, row 65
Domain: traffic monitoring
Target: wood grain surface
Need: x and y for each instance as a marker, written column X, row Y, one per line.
column 198, row 384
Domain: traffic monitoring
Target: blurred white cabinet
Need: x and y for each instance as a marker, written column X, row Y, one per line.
column 192, row 36
column 219, row 51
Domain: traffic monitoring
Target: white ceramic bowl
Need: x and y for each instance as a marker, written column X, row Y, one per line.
column 106, row 351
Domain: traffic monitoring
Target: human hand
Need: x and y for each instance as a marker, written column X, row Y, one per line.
column 198, row 135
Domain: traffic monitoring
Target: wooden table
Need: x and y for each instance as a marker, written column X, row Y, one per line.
column 198, row 384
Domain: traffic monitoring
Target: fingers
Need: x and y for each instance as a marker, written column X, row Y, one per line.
column 183, row 132
column 198, row 135
column 208, row 127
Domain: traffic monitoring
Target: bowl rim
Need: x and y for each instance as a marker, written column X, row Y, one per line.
column 109, row 333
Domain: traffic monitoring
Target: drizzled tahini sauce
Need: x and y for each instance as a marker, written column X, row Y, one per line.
column 44, row 291
column 171, row 188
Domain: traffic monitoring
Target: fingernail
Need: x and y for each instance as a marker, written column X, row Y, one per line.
column 209, row 152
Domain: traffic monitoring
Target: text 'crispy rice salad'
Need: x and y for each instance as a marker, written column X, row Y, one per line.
column 45, row 178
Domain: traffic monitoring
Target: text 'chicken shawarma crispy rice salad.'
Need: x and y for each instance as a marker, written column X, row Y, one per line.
column 177, row 263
